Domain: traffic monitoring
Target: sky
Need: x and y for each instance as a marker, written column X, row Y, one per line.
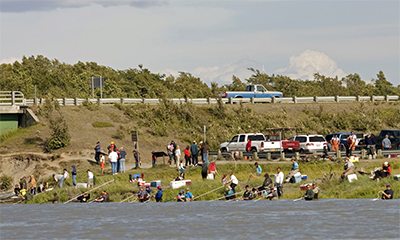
column 212, row 40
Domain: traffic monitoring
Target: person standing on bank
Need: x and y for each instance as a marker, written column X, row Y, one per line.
column 122, row 155
column 73, row 173
column 204, row 151
column 178, row 155
column 295, row 169
column 187, row 156
column 90, row 182
column 97, row 152
column 113, row 158
column 278, row 181
column 136, row 156
column 64, row 178
column 195, row 151
column 386, row 144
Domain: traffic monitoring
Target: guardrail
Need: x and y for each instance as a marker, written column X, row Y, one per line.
column 276, row 155
column 203, row 101
column 10, row 98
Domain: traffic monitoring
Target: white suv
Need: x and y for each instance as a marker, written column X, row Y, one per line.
column 310, row 143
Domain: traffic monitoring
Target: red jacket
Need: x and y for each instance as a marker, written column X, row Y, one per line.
column 187, row 153
column 248, row 146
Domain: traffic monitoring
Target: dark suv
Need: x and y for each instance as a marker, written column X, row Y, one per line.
column 394, row 137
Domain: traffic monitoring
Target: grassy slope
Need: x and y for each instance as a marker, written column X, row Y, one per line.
column 119, row 190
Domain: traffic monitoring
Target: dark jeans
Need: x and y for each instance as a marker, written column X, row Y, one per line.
column 233, row 187
column 187, row 160
column 279, row 189
column 97, row 157
column 195, row 159
column 348, row 151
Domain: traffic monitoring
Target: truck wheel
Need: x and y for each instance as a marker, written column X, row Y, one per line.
column 302, row 151
column 253, row 150
column 224, row 150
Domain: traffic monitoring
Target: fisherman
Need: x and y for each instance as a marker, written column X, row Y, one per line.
column 230, row 194
column 90, row 181
column 144, row 195
column 97, row 150
column 148, row 190
column 102, row 198
column 315, row 190
column 247, row 195
column 64, row 177
column 278, row 181
column 258, row 170
column 233, row 180
column 84, row 197
column 255, row 192
column 267, row 182
column 382, row 173
column 159, row 194
column 55, row 199
column 102, row 163
column 22, row 183
column 309, row 193
column 188, row 195
column 181, row 196
column 295, row 169
column 271, row 195
column 204, row 169
column 17, row 190
column 349, row 168
column 388, row 193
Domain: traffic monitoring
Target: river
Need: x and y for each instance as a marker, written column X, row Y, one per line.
column 282, row 219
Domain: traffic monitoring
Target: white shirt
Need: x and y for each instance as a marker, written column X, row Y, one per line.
column 113, row 157
column 279, row 178
column 177, row 152
column 102, row 159
column 90, row 174
column 66, row 175
column 234, row 179
column 353, row 138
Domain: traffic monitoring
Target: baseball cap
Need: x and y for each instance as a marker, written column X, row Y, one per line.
column 112, row 143
column 181, row 191
column 159, row 187
column 388, row 185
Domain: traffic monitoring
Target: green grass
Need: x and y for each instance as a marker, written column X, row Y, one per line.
column 9, row 135
column 102, row 124
column 122, row 188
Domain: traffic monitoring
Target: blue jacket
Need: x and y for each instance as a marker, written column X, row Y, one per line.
column 194, row 149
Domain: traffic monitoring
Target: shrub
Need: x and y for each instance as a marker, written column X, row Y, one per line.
column 5, row 182
column 59, row 135
column 102, row 124
column 91, row 106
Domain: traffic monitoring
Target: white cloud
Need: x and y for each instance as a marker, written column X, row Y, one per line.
column 223, row 74
column 10, row 60
column 309, row 62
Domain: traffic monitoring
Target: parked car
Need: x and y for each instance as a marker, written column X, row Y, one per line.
column 343, row 139
column 273, row 144
column 310, row 143
column 394, row 137
column 256, row 91
column 239, row 142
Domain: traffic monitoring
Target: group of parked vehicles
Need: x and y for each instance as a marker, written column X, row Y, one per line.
column 302, row 143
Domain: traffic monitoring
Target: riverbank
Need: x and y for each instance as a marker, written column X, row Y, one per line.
column 315, row 171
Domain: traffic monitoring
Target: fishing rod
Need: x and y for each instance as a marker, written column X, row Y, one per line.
column 89, row 191
column 376, row 199
column 128, row 198
column 208, row 192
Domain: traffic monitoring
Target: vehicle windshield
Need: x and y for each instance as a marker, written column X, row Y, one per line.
column 250, row 88
column 257, row 138
column 344, row 136
column 234, row 139
column 317, row 139
column 274, row 137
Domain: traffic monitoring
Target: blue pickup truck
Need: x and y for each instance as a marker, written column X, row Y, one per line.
column 256, row 91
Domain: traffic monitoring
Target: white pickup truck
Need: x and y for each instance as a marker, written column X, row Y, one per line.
column 240, row 141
